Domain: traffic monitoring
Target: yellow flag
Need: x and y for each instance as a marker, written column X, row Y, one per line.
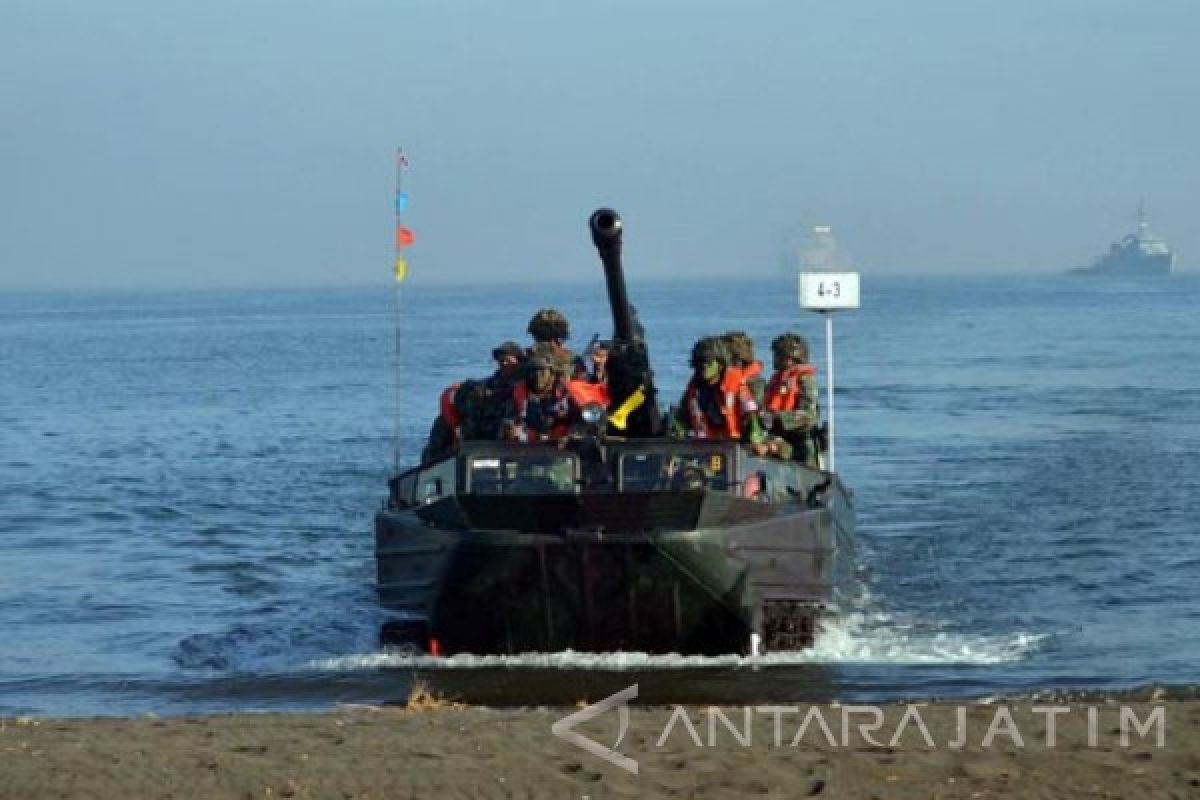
column 401, row 268
column 632, row 403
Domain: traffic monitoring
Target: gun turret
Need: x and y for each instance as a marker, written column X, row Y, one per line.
column 634, row 409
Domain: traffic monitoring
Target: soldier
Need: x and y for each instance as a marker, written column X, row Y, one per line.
column 484, row 404
column 791, row 412
column 549, row 327
column 509, row 357
column 710, row 411
column 599, row 357
column 743, row 367
column 541, row 408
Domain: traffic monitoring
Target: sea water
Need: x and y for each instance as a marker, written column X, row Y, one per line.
column 187, row 484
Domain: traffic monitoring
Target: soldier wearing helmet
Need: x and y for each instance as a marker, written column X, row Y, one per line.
column 710, row 409
column 508, row 357
column 483, row 405
column 549, row 327
column 743, row 367
column 475, row 409
column 510, row 363
column 540, row 409
column 791, row 412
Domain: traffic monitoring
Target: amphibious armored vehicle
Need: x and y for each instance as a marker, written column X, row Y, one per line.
column 625, row 540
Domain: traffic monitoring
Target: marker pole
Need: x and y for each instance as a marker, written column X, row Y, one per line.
column 829, row 384
column 825, row 293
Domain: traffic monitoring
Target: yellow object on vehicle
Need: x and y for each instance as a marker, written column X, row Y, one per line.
column 619, row 417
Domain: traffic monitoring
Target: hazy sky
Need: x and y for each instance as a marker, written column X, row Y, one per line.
column 242, row 142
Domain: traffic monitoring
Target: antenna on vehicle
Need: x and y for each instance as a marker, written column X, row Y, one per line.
column 825, row 293
column 404, row 238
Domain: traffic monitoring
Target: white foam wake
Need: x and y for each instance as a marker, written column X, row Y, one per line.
column 854, row 639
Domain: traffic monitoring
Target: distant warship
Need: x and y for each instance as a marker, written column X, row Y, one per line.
column 1138, row 253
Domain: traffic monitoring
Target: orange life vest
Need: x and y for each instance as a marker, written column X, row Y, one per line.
column 737, row 376
column 734, row 403
column 785, row 388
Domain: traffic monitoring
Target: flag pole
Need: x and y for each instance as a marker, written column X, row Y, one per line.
column 400, row 271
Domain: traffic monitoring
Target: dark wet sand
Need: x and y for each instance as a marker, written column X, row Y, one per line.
column 474, row 752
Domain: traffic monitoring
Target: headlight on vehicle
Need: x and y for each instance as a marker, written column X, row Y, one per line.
column 592, row 413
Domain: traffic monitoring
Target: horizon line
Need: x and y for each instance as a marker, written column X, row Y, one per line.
column 423, row 282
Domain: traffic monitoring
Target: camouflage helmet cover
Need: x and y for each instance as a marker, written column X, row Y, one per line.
column 710, row 348
column 543, row 356
column 790, row 345
column 536, row 361
column 548, row 324
column 741, row 346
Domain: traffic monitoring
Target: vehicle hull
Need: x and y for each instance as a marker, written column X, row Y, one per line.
column 693, row 572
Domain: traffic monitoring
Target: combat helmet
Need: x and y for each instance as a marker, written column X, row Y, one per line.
column 547, row 325
column 790, row 345
column 539, row 359
column 709, row 348
column 508, row 349
column 543, row 355
column 741, row 347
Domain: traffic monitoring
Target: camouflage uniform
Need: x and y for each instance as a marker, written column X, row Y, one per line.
column 791, row 400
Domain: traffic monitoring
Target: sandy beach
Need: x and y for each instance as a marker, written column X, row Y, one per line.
column 1024, row 749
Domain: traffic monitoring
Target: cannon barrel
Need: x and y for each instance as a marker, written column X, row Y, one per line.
column 605, row 225
column 629, row 360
